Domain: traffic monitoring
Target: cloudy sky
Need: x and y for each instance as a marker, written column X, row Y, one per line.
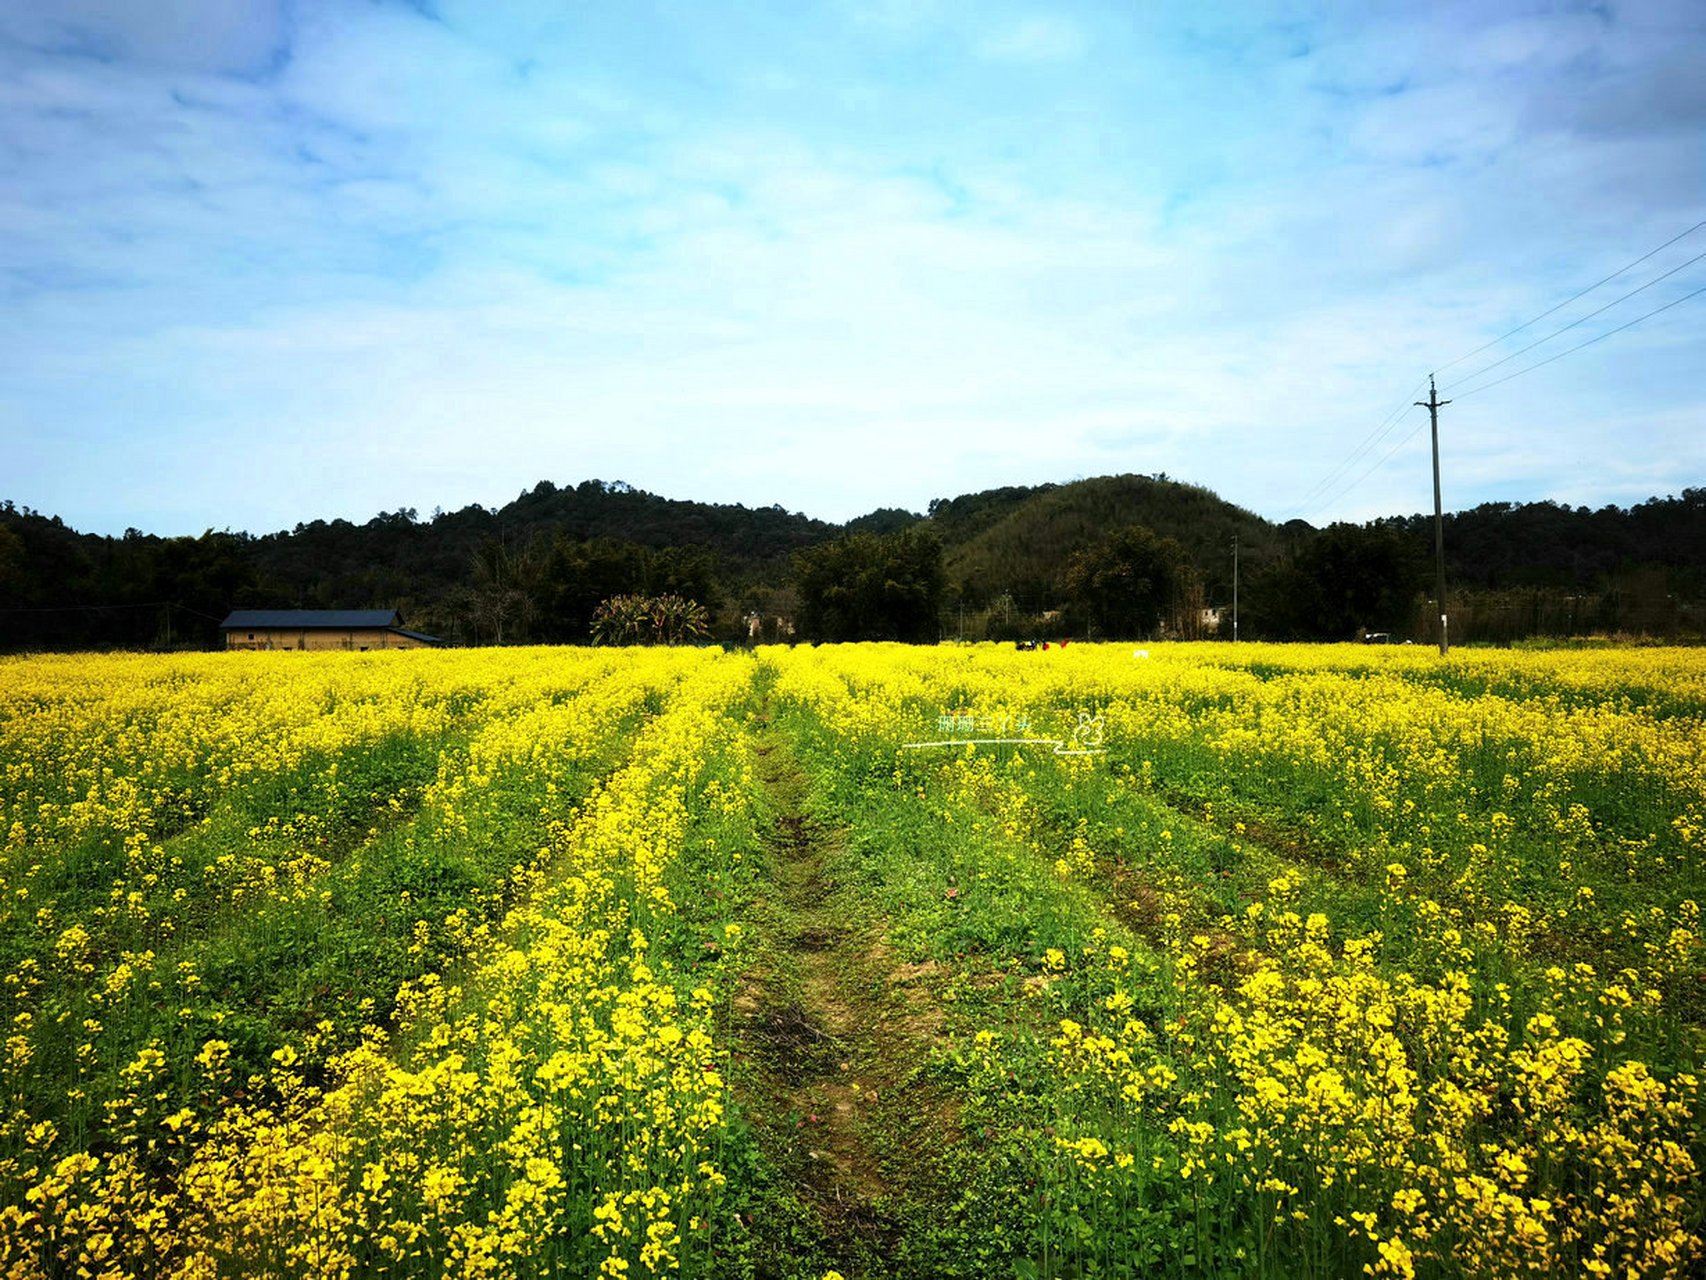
column 263, row 261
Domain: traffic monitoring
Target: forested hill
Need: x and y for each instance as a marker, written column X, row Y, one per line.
column 399, row 554
column 1018, row 542
column 537, row 567
column 540, row 563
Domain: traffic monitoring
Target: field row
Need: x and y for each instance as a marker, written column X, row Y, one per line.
column 1212, row 960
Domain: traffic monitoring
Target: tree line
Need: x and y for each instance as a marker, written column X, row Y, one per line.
column 1117, row 557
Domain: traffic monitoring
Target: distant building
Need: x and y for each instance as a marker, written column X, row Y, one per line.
column 353, row 629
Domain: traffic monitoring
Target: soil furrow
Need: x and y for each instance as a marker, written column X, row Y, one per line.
column 830, row 1033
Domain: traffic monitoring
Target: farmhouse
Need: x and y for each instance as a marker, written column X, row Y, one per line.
column 356, row 629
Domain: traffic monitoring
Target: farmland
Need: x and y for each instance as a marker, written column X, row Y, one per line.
column 1205, row 960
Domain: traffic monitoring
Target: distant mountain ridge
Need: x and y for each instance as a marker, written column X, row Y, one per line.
column 557, row 545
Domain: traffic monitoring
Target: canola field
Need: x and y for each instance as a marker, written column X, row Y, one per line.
column 1205, row 960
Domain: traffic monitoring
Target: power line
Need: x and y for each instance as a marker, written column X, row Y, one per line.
column 1317, row 496
column 1598, row 338
column 104, row 608
column 1312, row 498
column 1368, row 443
column 1377, row 464
column 1411, row 435
column 1567, row 301
column 89, row 608
column 1589, row 316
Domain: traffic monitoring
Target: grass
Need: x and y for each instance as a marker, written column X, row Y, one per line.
column 1331, row 961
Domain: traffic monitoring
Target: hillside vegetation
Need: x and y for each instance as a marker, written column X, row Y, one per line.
column 1020, row 542
column 537, row 568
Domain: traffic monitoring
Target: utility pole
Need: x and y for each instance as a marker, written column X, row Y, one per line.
column 1432, row 405
column 1234, row 588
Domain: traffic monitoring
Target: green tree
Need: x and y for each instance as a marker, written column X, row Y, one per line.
column 865, row 587
column 198, row 581
column 14, row 558
column 1131, row 583
column 1344, row 578
column 579, row 576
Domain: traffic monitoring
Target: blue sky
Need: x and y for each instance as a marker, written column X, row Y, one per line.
column 263, row 261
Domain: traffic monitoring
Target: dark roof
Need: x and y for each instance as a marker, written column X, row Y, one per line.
column 422, row 636
column 311, row 619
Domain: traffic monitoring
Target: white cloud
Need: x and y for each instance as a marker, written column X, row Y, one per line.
column 434, row 262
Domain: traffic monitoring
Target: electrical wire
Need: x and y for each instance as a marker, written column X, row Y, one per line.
column 104, row 608
column 1517, row 374
column 1411, row 434
column 1567, row 301
column 1312, row 500
column 1589, row 316
column 88, row 608
column 1375, row 466
column 1598, row 338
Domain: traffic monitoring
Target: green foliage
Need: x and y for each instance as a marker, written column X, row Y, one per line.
column 14, row 558
column 864, row 587
column 299, row 897
column 1020, row 542
column 883, row 520
column 1345, row 578
column 579, row 576
column 1513, row 570
column 665, row 619
column 1159, row 851
column 1132, row 582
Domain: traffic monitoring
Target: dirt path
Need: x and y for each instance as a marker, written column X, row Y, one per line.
column 830, row 1036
